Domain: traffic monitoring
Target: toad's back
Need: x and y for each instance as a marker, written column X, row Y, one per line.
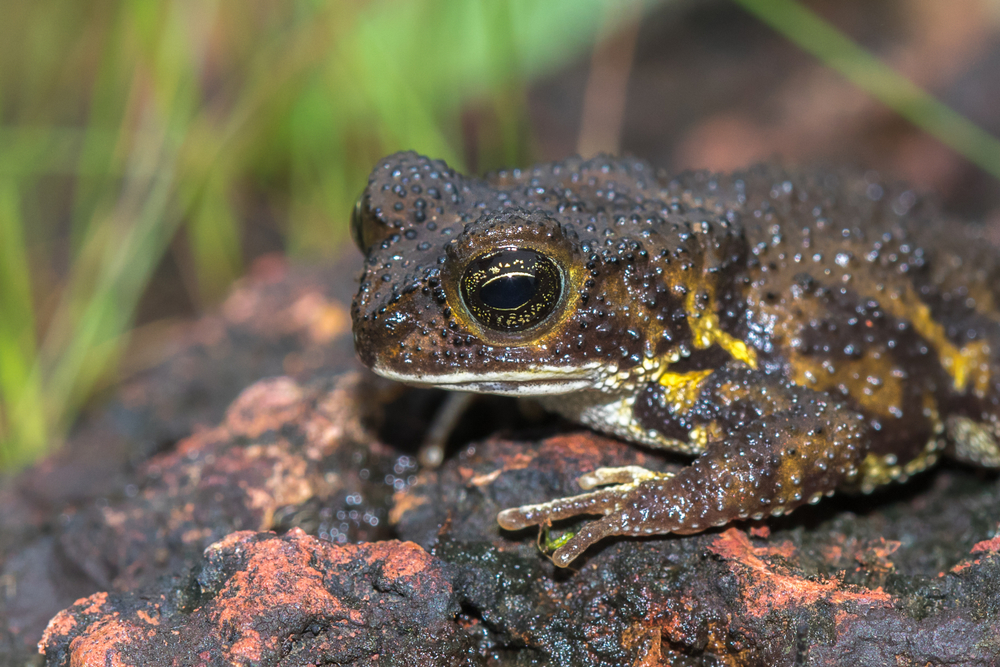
column 796, row 331
column 857, row 289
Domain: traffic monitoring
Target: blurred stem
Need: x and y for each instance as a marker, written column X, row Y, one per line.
column 121, row 251
column 607, row 84
column 122, row 241
column 23, row 430
column 98, row 164
column 510, row 99
column 816, row 36
column 214, row 235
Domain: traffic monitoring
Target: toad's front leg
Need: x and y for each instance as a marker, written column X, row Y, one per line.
column 765, row 466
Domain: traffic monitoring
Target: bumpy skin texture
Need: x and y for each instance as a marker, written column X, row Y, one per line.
column 797, row 332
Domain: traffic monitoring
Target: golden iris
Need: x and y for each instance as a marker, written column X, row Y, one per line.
column 511, row 289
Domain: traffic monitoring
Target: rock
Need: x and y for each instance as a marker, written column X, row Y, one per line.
column 57, row 519
column 261, row 599
column 901, row 578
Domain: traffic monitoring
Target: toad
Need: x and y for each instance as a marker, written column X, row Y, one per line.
column 795, row 332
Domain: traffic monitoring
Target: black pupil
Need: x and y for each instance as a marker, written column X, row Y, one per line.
column 509, row 291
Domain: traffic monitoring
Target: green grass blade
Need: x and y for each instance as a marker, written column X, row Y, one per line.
column 214, row 235
column 816, row 36
column 23, row 429
column 157, row 115
column 87, row 334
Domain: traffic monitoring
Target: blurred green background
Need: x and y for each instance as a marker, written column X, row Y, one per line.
column 137, row 134
column 132, row 129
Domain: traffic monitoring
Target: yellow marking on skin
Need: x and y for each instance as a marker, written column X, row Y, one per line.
column 969, row 364
column 705, row 330
column 619, row 475
column 932, row 413
column 699, row 437
column 973, row 364
column 974, row 442
column 682, row 389
column 714, row 431
column 878, row 470
column 869, row 379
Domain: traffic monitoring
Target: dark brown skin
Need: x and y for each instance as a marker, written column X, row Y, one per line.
column 797, row 332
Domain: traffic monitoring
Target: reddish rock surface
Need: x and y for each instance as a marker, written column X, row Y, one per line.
column 857, row 582
column 105, row 511
column 282, row 450
column 262, row 599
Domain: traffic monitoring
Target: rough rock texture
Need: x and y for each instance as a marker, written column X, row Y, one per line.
column 60, row 521
column 909, row 577
column 259, row 599
column 284, row 455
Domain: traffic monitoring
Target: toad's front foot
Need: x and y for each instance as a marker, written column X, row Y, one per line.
column 768, row 468
column 643, row 505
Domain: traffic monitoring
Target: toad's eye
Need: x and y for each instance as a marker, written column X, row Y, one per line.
column 511, row 289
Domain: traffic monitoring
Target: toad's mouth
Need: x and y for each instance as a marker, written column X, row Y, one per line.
column 537, row 381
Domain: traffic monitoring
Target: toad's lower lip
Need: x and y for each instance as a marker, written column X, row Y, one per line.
column 531, row 382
